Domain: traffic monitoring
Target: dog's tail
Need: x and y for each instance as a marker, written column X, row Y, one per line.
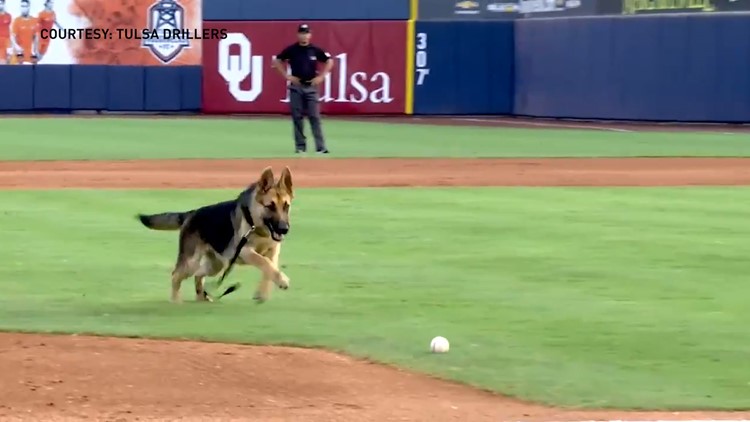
column 165, row 221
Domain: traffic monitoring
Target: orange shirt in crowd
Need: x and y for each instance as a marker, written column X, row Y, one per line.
column 46, row 19
column 25, row 28
column 5, row 20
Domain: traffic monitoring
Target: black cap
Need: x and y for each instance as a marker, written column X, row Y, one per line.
column 303, row 29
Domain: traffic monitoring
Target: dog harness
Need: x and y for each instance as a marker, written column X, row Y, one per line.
column 243, row 241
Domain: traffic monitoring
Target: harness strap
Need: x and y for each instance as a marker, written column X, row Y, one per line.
column 241, row 244
column 248, row 217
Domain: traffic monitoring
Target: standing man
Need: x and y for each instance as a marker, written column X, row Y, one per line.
column 303, row 57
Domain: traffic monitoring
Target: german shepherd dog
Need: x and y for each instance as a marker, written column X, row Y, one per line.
column 209, row 235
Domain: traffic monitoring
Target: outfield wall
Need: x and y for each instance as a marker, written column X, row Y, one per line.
column 464, row 67
column 651, row 67
column 674, row 67
column 369, row 74
column 62, row 88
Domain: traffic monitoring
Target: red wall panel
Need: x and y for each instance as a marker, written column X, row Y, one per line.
column 369, row 74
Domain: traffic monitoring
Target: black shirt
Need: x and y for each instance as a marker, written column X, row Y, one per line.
column 303, row 59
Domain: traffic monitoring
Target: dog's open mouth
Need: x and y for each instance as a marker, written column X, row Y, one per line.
column 278, row 237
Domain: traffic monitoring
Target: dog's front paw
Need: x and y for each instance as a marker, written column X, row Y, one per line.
column 259, row 297
column 282, row 280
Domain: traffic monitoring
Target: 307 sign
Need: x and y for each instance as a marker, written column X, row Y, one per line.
column 421, row 58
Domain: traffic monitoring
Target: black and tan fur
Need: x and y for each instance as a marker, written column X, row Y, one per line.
column 209, row 235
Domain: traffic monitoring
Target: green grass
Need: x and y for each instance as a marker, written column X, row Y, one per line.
column 596, row 297
column 130, row 138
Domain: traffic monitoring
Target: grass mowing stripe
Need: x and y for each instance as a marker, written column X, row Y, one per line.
column 112, row 138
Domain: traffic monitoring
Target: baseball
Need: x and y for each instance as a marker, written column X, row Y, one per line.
column 439, row 345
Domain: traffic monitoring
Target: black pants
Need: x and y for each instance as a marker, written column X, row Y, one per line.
column 304, row 100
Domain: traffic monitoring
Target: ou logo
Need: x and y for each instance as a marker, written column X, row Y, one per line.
column 236, row 68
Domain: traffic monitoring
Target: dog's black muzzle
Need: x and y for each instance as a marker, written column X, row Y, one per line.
column 278, row 229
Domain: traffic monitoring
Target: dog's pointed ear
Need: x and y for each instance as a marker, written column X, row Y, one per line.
column 285, row 181
column 265, row 183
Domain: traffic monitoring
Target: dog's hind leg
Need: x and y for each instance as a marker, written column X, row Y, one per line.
column 178, row 275
column 185, row 266
column 200, row 293
column 209, row 266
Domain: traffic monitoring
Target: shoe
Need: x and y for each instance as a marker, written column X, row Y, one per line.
column 299, row 151
column 323, row 151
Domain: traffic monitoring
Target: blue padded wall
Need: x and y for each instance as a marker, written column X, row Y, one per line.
column 17, row 88
column 162, row 89
column 51, row 87
column 191, row 93
column 665, row 67
column 126, row 88
column 470, row 67
column 88, row 87
column 94, row 87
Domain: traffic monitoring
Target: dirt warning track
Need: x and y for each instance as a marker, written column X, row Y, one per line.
column 76, row 378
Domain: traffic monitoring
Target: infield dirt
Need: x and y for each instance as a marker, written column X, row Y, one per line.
column 383, row 172
column 61, row 378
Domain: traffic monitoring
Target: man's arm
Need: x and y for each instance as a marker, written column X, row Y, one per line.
column 323, row 57
column 279, row 63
